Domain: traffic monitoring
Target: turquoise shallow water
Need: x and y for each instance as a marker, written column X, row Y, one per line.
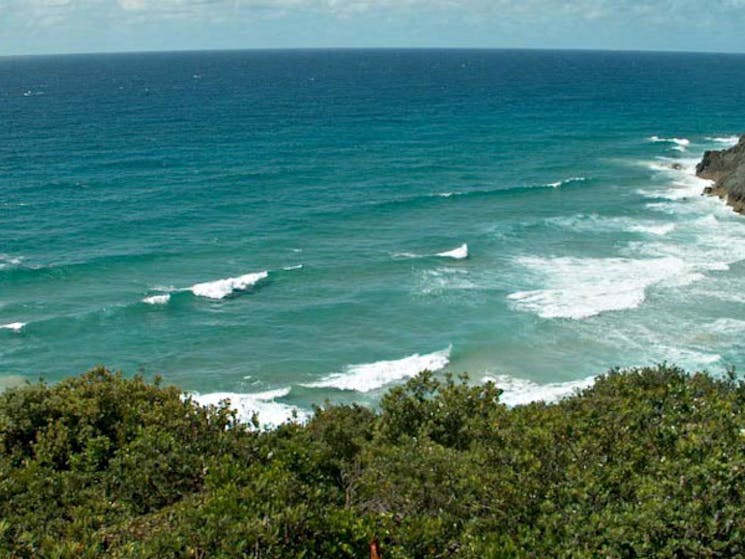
column 143, row 198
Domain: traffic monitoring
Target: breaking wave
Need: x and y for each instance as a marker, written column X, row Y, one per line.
column 157, row 299
column 570, row 180
column 578, row 288
column 270, row 412
column 679, row 144
column 596, row 223
column 728, row 141
column 7, row 261
column 370, row 376
column 584, row 287
column 220, row 289
column 517, row 391
column 459, row 253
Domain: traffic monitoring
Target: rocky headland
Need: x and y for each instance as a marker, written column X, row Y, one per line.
column 727, row 169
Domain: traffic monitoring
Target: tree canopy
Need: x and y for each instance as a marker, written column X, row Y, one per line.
column 646, row 462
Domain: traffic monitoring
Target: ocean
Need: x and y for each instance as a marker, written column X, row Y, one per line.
column 289, row 227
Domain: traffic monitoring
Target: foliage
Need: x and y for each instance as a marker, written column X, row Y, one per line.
column 646, row 463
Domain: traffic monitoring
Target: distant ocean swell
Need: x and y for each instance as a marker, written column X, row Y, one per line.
column 440, row 197
column 21, row 268
column 511, row 190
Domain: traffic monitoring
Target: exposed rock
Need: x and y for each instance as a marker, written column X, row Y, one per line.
column 727, row 169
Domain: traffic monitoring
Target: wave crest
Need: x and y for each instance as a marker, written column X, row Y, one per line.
column 459, row 253
column 7, row 261
column 680, row 144
column 271, row 413
column 517, row 391
column 570, row 180
column 370, row 376
column 157, row 299
column 220, row 289
column 729, row 141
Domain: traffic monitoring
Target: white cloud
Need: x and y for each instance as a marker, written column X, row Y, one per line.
column 52, row 12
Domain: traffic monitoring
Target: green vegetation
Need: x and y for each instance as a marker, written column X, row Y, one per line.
column 646, row 463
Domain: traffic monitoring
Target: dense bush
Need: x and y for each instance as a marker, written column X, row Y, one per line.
column 646, row 463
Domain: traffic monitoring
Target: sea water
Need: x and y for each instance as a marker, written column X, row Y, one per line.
column 285, row 227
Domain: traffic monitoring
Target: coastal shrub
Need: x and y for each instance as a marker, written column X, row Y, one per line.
column 647, row 462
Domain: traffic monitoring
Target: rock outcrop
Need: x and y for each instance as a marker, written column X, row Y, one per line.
column 727, row 169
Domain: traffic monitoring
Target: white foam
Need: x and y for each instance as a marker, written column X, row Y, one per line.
column 664, row 207
column 370, row 376
column 157, row 299
column 291, row 268
column 687, row 358
column 681, row 144
column 570, row 180
column 522, row 391
column 709, row 238
column 223, row 288
column 459, row 253
column 6, row 260
column 584, row 287
column 445, row 279
column 271, row 413
column 166, row 288
column 709, row 243
column 726, row 140
column 681, row 173
column 446, row 194
column 659, row 230
column 15, row 326
column 728, row 326
column 595, row 223
column 406, row 255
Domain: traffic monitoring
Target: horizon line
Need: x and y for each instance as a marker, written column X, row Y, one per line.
column 363, row 48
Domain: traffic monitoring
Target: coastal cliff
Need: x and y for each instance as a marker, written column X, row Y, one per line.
column 727, row 169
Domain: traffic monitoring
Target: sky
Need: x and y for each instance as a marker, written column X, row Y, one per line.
column 65, row 26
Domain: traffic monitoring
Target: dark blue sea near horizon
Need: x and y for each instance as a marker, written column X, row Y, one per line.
column 284, row 227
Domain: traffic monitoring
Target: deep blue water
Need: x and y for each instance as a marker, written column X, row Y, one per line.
column 128, row 177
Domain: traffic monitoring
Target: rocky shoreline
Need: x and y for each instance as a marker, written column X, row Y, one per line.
column 727, row 169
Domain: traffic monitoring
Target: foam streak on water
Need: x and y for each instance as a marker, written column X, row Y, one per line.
column 584, row 287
